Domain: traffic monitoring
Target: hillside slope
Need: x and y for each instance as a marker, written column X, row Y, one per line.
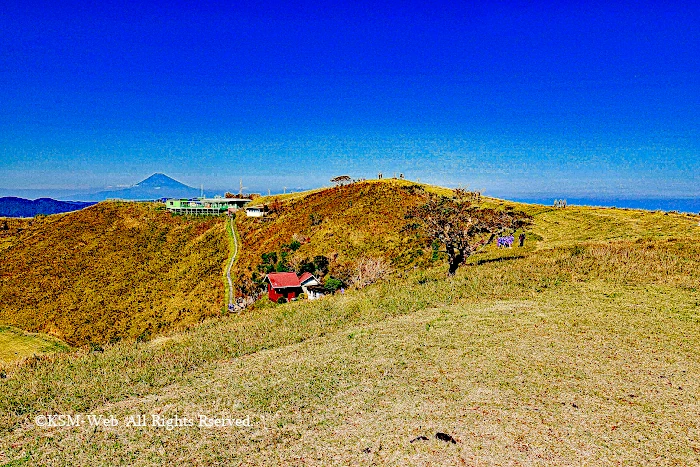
column 120, row 270
column 580, row 349
column 366, row 219
column 111, row 271
column 344, row 223
column 574, row 355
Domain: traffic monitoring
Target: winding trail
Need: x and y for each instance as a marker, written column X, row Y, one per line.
column 230, row 264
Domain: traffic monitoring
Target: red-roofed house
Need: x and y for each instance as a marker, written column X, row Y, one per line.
column 282, row 285
column 311, row 286
column 307, row 277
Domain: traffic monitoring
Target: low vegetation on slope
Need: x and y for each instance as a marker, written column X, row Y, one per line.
column 11, row 228
column 364, row 220
column 361, row 229
column 16, row 344
column 343, row 223
column 576, row 224
column 573, row 354
column 111, row 271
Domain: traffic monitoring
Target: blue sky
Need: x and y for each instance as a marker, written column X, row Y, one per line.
column 521, row 99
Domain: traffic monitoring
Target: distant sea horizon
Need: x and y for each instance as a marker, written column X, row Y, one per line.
column 688, row 205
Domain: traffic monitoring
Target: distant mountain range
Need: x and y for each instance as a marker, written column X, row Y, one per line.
column 20, row 207
column 154, row 187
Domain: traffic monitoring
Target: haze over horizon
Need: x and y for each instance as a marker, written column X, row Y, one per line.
column 521, row 100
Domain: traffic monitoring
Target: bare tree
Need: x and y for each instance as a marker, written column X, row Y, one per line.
column 341, row 180
column 462, row 227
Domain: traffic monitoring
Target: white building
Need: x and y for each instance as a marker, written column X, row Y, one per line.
column 255, row 211
column 311, row 286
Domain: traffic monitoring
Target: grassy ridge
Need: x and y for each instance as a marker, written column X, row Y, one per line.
column 164, row 360
column 112, row 271
column 577, row 224
column 365, row 219
column 128, row 270
column 353, row 221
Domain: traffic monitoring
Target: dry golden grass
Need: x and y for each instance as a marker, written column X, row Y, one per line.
column 577, row 224
column 580, row 349
column 14, row 228
column 111, row 271
column 583, row 355
column 516, row 382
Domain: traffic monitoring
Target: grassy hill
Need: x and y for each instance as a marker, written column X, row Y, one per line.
column 365, row 219
column 344, row 223
column 119, row 270
column 111, row 271
column 581, row 349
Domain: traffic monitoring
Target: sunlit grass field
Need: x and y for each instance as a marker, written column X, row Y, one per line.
column 16, row 344
column 583, row 348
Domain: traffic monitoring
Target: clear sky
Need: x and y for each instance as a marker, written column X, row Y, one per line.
column 516, row 98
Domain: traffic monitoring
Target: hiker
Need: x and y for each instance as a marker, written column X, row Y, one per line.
column 522, row 239
column 505, row 242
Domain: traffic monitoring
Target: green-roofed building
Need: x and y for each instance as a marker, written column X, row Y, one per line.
column 205, row 206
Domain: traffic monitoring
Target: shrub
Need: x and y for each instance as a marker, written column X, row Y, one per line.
column 435, row 246
column 370, row 270
column 315, row 218
column 303, row 296
column 306, row 266
column 281, row 300
column 321, row 264
column 333, row 284
column 578, row 250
